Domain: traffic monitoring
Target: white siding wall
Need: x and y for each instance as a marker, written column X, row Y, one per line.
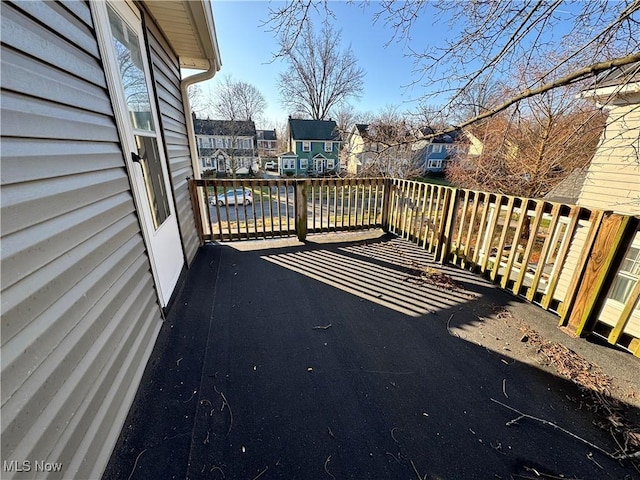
column 571, row 261
column 79, row 309
column 613, row 179
column 166, row 75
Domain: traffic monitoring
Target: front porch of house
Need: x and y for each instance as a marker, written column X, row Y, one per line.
column 356, row 357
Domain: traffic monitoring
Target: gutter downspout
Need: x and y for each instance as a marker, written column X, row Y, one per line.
column 191, row 136
column 185, row 83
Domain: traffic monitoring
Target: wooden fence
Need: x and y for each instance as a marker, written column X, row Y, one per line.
column 564, row 258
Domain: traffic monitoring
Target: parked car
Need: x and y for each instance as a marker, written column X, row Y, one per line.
column 238, row 195
column 270, row 166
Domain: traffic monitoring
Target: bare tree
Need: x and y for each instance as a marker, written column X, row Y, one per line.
column 320, row 76
column 197, row 99
column 491, row 37
column 476, row 100
column 238, row 101
column 530, row 149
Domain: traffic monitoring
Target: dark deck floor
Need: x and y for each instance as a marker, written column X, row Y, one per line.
column 244, row 383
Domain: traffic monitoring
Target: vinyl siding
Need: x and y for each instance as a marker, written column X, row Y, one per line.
column 79, row 309
column 571, row 261
column 613, row 178
column 166, row 74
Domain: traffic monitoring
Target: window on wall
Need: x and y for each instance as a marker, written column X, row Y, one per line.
column 289, row 163
column 331, row 163
column 328, row 146
column 304, row 163
column 627, row 276
column 436, row 148
column 306, row 146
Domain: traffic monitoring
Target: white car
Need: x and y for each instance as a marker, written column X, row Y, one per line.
column 239, row 195
column 270, row 166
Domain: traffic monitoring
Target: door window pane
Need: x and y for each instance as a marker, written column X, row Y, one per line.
column 129, row 57
column 153, row 178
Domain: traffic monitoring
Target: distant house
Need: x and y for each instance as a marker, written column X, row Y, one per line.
column 433, row 155
column 226, row 146
column 314, row 148
column 359, row 149
column 98, row 228
column 613, row 177
column 267, row 144
column 376, row 149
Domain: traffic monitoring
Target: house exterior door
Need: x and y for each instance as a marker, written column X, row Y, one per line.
column 319, row 165
column 122, row 43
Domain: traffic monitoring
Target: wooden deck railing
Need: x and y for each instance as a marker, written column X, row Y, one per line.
column 281, row 208
column 562, row 257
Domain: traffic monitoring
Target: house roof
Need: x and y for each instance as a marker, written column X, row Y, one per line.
column 619, row 75
column 244, row 128
column 362, row 128
column 313, row 129
column 189, row 27
column 568, row 190
column 618, row 82
column 266, row 134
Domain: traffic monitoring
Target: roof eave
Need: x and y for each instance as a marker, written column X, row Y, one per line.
column 190, row 30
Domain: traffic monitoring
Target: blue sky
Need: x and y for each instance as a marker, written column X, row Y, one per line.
column 246, row 49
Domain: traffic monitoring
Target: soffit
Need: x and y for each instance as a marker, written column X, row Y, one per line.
column 190, row 29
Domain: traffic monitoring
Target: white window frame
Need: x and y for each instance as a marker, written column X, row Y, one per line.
column 328, row 146
column 306, row 146
column 289, row 163
column 304, row 164
column 331, row 164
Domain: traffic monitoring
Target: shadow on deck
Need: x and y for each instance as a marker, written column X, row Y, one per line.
column 345, row 360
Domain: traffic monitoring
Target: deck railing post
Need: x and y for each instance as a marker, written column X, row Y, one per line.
column 449, row 209
column 613, row 236
column 386, row 203
column 301, row 192
column 195, row 204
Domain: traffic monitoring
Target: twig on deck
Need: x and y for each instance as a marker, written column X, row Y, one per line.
column 504, row 387
column 136, row 463
column 551, row 424
column 393, row 456
column 326, row 466
column 261, row 473
column 225, row 403
column 420, row 477
column 322, row 327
